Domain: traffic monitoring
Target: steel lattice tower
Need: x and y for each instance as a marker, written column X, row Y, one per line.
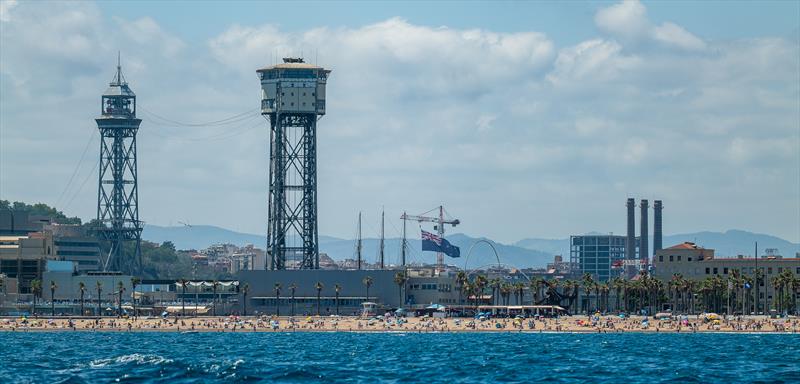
column 118, row 192
column 293, row 98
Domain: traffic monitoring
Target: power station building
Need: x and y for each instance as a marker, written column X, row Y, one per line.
column 607, row 256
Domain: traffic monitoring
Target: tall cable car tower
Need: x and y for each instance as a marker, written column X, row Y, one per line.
column 293, row 98
column 118, row 192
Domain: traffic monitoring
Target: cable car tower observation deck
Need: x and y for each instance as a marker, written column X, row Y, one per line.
column 293, row 99
column 118, row 188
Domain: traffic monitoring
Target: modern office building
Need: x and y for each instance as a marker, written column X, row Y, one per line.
column 70, row 243
column 602, row 256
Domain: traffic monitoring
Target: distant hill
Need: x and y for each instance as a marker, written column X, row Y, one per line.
column 531, row 252
column 729, row 243
column 202, row 236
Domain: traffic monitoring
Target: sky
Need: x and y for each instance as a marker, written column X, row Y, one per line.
column 524, row 119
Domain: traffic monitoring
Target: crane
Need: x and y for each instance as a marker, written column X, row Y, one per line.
column 440, row 222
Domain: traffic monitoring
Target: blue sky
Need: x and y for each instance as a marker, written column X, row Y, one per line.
column 566, row 22
column 525, row 119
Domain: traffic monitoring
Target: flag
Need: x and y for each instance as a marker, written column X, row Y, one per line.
column 432, row 242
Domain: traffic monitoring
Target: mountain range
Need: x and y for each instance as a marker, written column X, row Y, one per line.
column 530, row 252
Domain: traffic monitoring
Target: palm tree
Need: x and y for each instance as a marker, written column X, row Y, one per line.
column 588, row 285
column 519, row 290
column 134, row 283
column 616, row 285
column 53, row 287
column 214, row 286
column 318, row 286
column 245, row 291
column 337, row 288
column 120, row 288
column 99, row 287
column 183, row 283
column 82, row 287
column 292, row 289
column 495, row 285
column 367, row 283
column 533, row 284
column 480, row 284
column 36, row 288
column 277, row 298
column 505, row 292
column 400, row 279
column 461, row 279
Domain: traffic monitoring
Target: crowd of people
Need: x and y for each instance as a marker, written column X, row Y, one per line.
column 593, row 323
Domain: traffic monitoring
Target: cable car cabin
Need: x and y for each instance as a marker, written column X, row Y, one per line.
column 294, row 87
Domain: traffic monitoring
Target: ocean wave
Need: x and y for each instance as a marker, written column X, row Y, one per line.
column 135, row 358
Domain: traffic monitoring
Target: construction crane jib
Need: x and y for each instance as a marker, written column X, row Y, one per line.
column 440, row 221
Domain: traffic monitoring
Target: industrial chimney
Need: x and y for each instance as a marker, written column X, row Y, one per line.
column 657, row 234
column 630, row 243
column 643, row 237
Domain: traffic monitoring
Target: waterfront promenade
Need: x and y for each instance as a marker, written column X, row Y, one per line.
column 601, row 324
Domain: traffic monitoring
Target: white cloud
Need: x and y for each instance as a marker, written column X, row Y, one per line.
column 627, row 19
column 5, row 9
column 482, row 121
column 672, row 34
column 596, row 60
column 628, row 22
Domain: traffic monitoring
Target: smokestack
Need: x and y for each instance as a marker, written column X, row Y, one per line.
column 643, row 237
column 630, row 243
column 657, row 234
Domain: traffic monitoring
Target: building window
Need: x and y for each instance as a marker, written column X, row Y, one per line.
column 679, row 257
column 769, row 270
column 661, row 258
column 708, row 270
column 716, row 271
column 689, row 258
column 798, row 270
column 671, row 258
column 725, row 271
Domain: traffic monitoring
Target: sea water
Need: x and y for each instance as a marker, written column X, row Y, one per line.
column 75, row 357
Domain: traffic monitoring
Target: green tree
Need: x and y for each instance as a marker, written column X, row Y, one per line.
column 319, row 287
column 337, row 289
column 82, row 287
column 99, row 287
column 278, row 299
column 400, row 279
column 53, row 287
column 183, row 283
column 245, row 291
column 120, row 289
column 36, row 289
column 588, row 286
column 292, row 289
column 135, row 281
column 367, row 281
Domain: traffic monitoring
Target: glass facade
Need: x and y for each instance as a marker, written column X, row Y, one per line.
column 595, row 254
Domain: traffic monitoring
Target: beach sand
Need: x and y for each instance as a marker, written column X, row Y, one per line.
column 567, row 324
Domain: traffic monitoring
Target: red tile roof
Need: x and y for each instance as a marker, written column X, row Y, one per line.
column 686, row 245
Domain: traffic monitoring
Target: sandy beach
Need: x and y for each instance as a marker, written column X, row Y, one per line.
column 595, row 324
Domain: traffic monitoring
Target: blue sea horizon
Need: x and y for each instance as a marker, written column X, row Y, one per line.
column 92, row 357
